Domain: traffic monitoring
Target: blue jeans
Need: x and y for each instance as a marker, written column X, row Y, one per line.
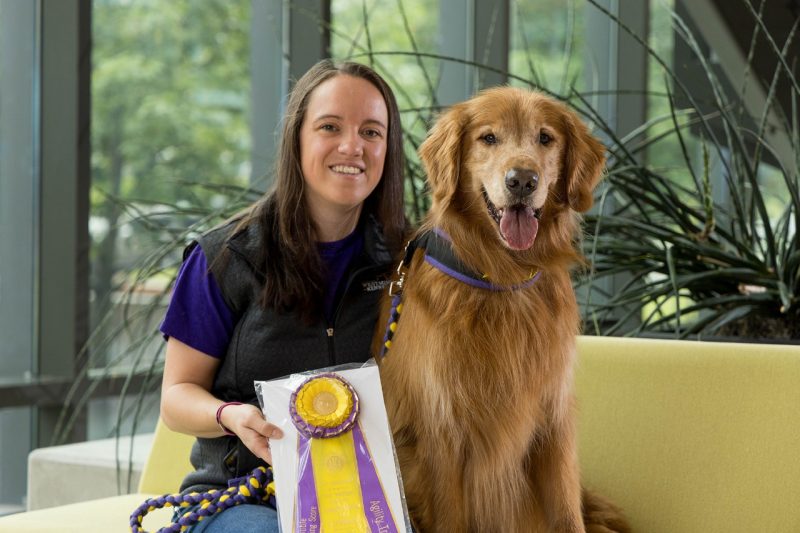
column 245, row 518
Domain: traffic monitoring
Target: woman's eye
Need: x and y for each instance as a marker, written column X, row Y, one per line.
column 372, row 133
column 544, row 138
column 328, row 127
column 489, row 138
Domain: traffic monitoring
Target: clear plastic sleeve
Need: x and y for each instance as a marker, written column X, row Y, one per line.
column 335, row 468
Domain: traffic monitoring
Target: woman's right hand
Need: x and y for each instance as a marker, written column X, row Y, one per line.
column 249, row 425
column 188, row 406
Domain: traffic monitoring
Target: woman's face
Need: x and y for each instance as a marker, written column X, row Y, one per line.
column 342, row 145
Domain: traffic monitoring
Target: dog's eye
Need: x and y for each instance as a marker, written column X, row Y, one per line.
column 544, row 138
column 489, row 138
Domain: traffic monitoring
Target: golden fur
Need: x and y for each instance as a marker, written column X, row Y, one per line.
column 478, row 383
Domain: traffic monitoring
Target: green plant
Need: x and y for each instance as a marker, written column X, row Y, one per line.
column 678, row 256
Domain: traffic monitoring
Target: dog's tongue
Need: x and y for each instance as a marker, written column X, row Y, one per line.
column 518, row 227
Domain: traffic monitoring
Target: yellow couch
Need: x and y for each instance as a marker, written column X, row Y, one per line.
column 692, row 437
column 688, row 437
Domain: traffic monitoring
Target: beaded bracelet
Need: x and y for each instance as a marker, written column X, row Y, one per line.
column 219, row 420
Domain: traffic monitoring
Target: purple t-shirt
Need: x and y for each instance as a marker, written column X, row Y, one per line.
column 336, row 259
column 198, row 315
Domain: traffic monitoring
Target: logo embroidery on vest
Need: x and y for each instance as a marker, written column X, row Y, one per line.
column 376, row 285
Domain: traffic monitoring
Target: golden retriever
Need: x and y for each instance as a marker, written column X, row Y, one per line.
column 478, row 381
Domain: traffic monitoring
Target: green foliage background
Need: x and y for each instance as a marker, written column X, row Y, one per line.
column 171, row 156
column 170, row 117
column 170, row 111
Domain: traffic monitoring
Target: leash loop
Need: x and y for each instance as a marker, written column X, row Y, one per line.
column 257, row 487
column 396, row 286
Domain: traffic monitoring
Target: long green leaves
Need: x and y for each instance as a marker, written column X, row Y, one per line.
column 689, row 249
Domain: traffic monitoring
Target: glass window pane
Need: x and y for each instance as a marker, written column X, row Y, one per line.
column 663, row 155
column 359, row 28
column 104, row 413
column 387, row 35
column 547, row 44
column 18, row 233
column 18, row 187
column 15, row 443
column 170, row 153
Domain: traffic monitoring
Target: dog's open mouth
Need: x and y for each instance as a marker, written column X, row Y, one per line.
column 518, row 223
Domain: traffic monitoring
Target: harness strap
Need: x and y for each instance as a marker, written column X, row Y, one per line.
column 256, row 488
column 439, row 254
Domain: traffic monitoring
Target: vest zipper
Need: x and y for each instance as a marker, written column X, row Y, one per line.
column 331, row 355
column 330, row 329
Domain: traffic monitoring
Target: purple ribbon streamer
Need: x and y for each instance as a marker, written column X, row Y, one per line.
column 379, row 516
column 376, row 509
column 307, row 518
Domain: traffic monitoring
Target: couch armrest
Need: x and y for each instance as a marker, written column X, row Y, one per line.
column 71, row 473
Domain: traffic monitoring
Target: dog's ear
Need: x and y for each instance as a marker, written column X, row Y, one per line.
column 584, row 161
column 440, row 154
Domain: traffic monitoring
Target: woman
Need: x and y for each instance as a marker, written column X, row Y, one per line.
column 291, row 285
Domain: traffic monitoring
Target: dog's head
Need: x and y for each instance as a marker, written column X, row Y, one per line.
column 517, row 156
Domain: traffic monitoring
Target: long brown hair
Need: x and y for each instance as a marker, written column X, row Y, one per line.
column 293, row 268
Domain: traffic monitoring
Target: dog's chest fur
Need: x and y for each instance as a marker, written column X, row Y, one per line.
column 473, row 381
column 466, row 355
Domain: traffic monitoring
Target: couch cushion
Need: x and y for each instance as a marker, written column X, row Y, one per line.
column 692, row 436
column 106, row 515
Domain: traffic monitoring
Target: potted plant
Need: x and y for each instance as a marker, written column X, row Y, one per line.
column 715, row 250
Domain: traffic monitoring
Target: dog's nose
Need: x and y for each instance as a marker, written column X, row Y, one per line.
column 521, row 181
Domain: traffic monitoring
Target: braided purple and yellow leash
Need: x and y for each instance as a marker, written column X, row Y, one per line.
column 256, row 488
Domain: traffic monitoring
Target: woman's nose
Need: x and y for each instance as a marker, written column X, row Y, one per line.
column 351, row 144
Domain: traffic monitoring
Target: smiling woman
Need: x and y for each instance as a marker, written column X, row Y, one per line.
column 278, row 290
column 343, row 148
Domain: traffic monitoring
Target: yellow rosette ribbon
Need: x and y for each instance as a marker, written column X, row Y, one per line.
column 338, row 487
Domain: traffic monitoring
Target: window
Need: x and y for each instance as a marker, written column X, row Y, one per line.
column 170, row 152
column 386, row 35
column 547, row 40
column 19, row 180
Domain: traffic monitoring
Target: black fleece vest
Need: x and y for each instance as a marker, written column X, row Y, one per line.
column 267, row 345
